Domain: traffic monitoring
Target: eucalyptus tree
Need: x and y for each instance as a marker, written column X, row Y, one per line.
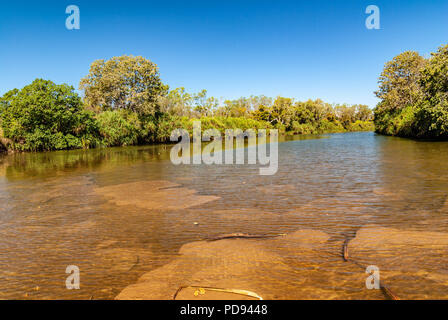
column 126, row 82
column 399, row 83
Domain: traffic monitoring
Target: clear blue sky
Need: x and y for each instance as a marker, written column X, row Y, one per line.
column 301, row 49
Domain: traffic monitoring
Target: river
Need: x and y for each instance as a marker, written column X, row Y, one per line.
column 119, row 213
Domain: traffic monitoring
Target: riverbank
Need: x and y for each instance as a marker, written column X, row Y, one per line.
column 142, row 110
column 358, row 126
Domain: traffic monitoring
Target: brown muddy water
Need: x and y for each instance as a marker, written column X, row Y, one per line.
column 122, row 214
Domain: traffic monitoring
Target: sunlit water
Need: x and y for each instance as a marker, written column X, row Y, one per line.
column 61, row 208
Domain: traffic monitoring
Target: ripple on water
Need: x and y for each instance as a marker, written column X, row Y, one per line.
column 119, row 213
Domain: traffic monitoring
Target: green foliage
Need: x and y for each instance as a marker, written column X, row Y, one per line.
column 126, row 103
column 263, row 113
column 326, row 126
column 45, row 116
column 314, row 116
column 243, row 107
column 126, row 82
column 303, row 128
column 166, row 125
column 3, row 142
column 333, row 126
column 177, row 102
column 434, row 78
column 360, row 125
column 432, row 120
column 415, row 103
column 119, row 128
column 400, row 81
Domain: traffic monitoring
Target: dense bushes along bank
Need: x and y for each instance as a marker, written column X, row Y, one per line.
column 126, row 103
column 414, row 96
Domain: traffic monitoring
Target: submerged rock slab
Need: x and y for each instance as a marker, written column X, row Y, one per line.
column 123, row 259
column 158, row 195
column 411, row 262
column 287, row 267
column 307, row 264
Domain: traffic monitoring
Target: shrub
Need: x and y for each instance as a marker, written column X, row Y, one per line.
column 166, row 124
column 432, row 121
column 120, row 128
column 45, row 116
column 327, row 126
column 359, row 125
column 303, row 128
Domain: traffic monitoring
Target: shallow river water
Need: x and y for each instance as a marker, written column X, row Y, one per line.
column 121, row 213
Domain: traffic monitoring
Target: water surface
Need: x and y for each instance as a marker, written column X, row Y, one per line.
column 122, row 212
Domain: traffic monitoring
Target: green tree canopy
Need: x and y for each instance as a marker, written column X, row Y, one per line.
column 399, row 83
column 434, row 78
column 414, row 96
column 126, row 82
column 177, row 102
column 46, row 116
column 363, row 112
column 282, row 111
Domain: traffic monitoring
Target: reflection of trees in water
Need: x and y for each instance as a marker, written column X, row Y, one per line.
column 24, row 165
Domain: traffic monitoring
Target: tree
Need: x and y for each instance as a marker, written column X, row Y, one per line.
column 236, row 108
column 363, row 112
column 204, row 106
column 262, row 113
column 302, row 113
column 177, row 102
column 414, row 94
column 46, row 116
column 312, row 111
column 434, row 78
column 346, row 114
column 431, row 116
column 126, row 82
column 254, row 102
column 282, row 111
column 400, row 81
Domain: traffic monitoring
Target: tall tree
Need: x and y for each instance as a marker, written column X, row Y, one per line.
column 363, row 112
column 400, row 81
column 435, row 77
column 177, row 102
column 126, row 82
column 282, row 111
column 346, row 114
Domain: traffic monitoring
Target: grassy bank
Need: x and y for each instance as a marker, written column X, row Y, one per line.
column 115, row 130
